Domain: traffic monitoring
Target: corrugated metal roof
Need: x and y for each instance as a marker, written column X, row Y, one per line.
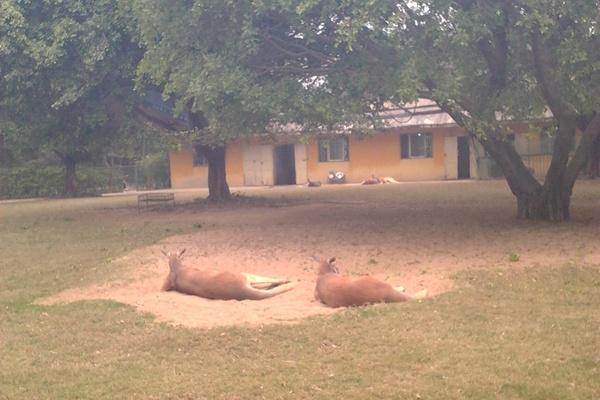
column 423, row 113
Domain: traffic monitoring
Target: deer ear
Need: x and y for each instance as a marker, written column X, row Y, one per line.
column 331, row 260
column 181, row 252
column 164, row 252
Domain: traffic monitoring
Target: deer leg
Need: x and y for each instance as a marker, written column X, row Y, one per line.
column 167, row 285
column 264, row 282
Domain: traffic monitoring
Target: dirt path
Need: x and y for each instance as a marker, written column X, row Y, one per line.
column 417, row 236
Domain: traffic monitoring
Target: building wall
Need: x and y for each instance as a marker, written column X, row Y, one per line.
column 257, row 161
column 185, row 175
column 379, row 155
column 300, row 158
column 234, row 164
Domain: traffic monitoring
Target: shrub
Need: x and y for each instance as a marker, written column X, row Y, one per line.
column 36, row 181
column 153, row 171
column 31, row 181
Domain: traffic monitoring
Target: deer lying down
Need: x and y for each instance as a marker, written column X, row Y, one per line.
column 374, row 180
column 221, row 285
column 388, row 179
column 338, row 291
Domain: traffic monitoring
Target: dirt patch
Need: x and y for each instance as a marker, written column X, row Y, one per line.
column 417, row 236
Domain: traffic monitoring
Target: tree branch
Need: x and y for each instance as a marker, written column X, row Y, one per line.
column 518, row 177
column 543, row 74
column 582, row 154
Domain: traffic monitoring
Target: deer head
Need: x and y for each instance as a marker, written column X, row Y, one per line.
column 174, row 259
column 328, row 266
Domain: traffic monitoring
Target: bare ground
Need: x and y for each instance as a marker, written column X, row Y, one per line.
column 414, row 235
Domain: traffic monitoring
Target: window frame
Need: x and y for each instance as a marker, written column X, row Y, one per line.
column 325, row 144
column 406, row 146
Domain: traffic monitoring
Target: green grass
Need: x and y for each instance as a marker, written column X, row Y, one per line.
column 504, row 334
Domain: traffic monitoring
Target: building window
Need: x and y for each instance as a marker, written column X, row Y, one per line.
column 199, row 159
column 417, row 145
column 333, row 149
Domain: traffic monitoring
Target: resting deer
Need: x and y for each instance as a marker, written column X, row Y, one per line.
column 221, row 285
column 373, row 180
column 310, row 183
column 388, row 179
column 338, row 291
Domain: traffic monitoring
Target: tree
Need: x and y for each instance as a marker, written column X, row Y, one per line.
column 66, row 70
column 208, row 55
column 484, row 59
column 485, row 62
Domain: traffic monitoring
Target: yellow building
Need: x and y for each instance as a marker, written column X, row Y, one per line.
column 416, row 145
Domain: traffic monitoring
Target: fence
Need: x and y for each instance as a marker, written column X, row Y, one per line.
column 133, row 177
column 48, row 181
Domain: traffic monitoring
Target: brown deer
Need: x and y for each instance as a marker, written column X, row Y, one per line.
column 221, row 285
column 338, row 291
column 388, row 179
column 373, row 180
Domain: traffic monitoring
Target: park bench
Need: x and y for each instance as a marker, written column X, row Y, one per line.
column 145, row 199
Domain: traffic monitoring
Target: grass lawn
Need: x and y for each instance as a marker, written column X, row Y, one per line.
column 503, row 333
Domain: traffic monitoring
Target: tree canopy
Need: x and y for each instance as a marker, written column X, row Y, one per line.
column 66, row 76
column 241, row 67
column 487, row 63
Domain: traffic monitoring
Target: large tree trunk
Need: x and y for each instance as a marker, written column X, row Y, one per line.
column 3, row 160
column 552, row 200
column 70, row 189
column 218, row 190
column 549, row 201
column 593, row 169
column 550, row 204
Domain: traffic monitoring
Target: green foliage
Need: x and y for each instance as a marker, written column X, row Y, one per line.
column 95, row 181
column 513, row 257
column 29, row 182
column 66, row 71
column 36, row 181
column 153, row 171
column 223, row 59
column 202, row 60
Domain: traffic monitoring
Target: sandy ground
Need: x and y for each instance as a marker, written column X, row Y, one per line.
column 414, row 235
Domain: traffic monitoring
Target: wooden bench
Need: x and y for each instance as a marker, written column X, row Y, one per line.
column 145, row 199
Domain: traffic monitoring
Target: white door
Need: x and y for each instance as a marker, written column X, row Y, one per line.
column 300, row 159
column 258, row 165
column 451, row 157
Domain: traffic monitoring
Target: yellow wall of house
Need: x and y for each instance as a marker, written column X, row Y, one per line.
column 185, row 175
column 379, row 155
column 234, row 164
column 183, row 172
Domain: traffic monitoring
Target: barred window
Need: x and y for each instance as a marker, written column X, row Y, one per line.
column 333, row 149
column 417, row 145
